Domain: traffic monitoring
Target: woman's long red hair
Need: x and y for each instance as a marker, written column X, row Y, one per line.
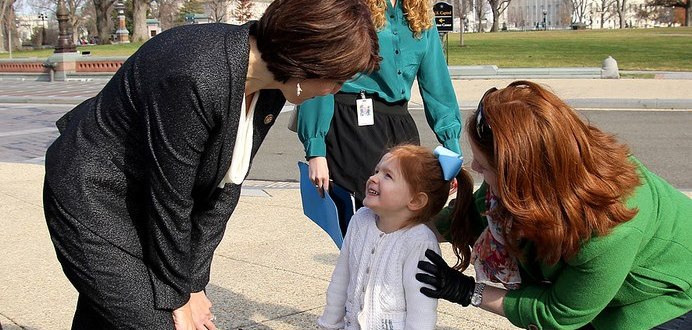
column 560, row 180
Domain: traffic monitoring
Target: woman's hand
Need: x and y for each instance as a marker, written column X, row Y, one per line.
column 319, row 173
column 195, row 314
column 182, row 318
column 200, row 307
column 449, row 284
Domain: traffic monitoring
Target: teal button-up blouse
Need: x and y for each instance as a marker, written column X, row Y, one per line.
column 404, row 58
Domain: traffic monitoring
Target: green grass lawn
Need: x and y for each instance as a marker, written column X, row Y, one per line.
column 96, row 50
column 668, row 49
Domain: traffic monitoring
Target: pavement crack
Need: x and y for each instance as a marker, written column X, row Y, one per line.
column 13, row 322
column 274, row 268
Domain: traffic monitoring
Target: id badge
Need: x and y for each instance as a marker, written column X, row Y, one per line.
column 365, row 111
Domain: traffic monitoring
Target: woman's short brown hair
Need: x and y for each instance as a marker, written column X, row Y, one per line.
column 317, row 39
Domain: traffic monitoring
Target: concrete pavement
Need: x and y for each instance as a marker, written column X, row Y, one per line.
column 271, row 270
column 273, row 266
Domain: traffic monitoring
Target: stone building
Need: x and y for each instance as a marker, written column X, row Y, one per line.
column 559, row 14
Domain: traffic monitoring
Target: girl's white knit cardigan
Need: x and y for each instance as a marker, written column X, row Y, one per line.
column 373, row 285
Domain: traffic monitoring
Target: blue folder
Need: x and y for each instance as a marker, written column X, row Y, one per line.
column 323, row 210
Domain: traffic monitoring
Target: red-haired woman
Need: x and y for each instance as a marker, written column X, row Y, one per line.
column 576, row 231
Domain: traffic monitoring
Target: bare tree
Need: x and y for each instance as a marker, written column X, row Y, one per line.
column 654, row 13
column 497, row 7
column 76, row 17
column 167, row 11
column 139, row 20
column 480, row 7
column 605, row 8
column 461, row 10
column 218, row 9
column 77, row 13
column 103, row 21
column 89, row 20
column 685, row 4
column 243, row 10
column 579, row 9
column 6, row 21
column 621, row 10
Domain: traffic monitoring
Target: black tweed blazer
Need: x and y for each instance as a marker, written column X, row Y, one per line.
column 139, row 164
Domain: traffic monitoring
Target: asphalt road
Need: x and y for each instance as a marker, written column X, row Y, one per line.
column 660, row 139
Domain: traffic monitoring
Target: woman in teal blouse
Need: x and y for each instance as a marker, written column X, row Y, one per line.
column 336, row 146
column 575, row 232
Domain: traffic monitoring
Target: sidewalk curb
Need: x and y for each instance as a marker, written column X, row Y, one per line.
column 43, row 100
column 630, row 103
column 255, row 185
column 588, row 103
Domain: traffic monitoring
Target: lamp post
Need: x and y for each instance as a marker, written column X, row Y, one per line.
column 545, row 14
column 43, row 17
column 65, row 43
column 122, row 33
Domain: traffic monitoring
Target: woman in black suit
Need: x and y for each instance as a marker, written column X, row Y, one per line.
column 144, row 176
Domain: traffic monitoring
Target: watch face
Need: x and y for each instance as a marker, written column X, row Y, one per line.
column 476, row 300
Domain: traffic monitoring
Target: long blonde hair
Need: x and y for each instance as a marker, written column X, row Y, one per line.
column 418, row 14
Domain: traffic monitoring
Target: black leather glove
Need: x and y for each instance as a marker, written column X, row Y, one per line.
column 449, row 284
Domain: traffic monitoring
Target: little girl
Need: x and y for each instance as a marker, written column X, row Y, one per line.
column 373, row 285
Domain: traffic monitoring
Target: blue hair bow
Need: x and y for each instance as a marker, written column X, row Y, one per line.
column 450, row 162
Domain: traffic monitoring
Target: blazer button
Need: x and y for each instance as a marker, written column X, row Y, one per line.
column 268, row 119
column 532, row 327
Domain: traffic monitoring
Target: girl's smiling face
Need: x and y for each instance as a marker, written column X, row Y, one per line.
column 387, row 193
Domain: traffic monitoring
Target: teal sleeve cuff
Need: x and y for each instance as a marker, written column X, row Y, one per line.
column 453, row 144
column 314, row 119
column 315, row 147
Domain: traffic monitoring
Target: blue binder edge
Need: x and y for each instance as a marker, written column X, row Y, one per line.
column 321, row 210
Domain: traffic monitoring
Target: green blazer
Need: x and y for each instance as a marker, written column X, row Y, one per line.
column 636, row 277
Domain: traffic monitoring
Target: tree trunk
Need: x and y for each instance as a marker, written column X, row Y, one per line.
column 139, row 21
column 103, row 26
column 688, row 15
column 5, row 21
column 461, row 11
column 479, row 18
column 496, row 19
column 75, row 19
column 621, row 12
column 75, row 32
column 602, row 18
column 2, row 35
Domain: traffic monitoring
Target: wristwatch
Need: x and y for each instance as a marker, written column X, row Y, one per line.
column 477, row 296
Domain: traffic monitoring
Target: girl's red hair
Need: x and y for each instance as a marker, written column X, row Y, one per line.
column 423, row 173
